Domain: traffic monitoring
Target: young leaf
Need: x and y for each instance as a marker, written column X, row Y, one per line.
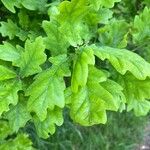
column 88, row 106
column 6, row 73
column 31, row 59
column 80, row 68
column 124, row 60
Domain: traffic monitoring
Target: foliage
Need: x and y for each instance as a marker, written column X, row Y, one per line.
column 76, row 54
column 122, row 132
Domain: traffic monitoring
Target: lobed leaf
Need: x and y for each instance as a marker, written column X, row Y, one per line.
column 8, row 94
column 137, row 94
column 8, row 52
column 20, row 142
column 6, row 73
column 17, row 116
column 31, row 59
column 124, row 60
column 47, row 126
column 88, row 106
column 80, row 68
column 47, row 91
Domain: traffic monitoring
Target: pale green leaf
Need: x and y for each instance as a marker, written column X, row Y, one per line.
column 124, row 60
column 80, row 68
column 88, row 106
column 6, row 73
column 21, row 142
column 108, row 3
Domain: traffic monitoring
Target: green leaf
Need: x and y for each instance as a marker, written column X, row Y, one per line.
column 47, row 126
column 72, row 11
column 9, row 29
column 114, row 34
column 80, row 68
column 109, row 3
column 4, row 129
column 88, row 106
column 6, row 73
column 55, row 42
column 146, row 2
column 96, row 4
column 141, row 32
column 29, row 4
column 31, row 59
column 17, row 116
column 124, row 60
column 10, row 4
column 61, row 63
column 101, row 16
column 70, row 20
column 35, row 5
column 47, row 91
column 119, row 99
column 137, row 94
column 8, row 94
column 8, row 52
column 76, row 34
column 23, row 19
column 21, row 142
